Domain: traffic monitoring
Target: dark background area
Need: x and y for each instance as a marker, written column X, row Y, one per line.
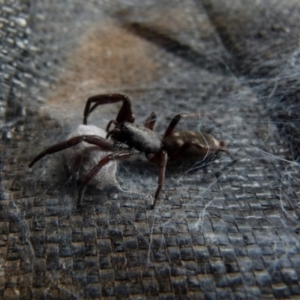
column 226, row 231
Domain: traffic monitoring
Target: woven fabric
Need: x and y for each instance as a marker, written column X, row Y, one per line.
column 226, row 230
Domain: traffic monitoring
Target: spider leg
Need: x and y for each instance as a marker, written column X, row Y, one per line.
column 118, row 155
column 178, row 117
column 102, row 143
column 150, row 121
column 161, row 159
column 125, row 113
column 210, row 149
column 109, row 124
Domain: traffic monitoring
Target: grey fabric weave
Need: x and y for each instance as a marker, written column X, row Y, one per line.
column 229, row 230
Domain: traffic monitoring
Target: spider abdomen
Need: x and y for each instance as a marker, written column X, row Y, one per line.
column 176, row 140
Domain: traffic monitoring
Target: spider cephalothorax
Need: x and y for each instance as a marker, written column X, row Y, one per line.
column 127, row 139
column 141, row 138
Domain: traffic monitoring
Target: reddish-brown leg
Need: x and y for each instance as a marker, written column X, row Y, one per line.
column 109, row 124
column 210, row 150
column 102, row 143
column 161, row 160
column 125, row 114
column 178, row 117
column 150, row 121
column 114, row 131
column 118, row 155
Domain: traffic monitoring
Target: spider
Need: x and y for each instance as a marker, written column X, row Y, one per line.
column 128, row 139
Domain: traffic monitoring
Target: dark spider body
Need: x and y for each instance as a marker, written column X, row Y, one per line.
column 128, row 139
column 148, row 142
column 138, row 137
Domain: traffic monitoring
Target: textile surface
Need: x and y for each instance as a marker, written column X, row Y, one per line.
column 226, row 230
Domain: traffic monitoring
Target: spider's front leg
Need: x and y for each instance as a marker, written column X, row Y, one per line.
column 125, row 114
column 102, row 143
column 118, row 155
